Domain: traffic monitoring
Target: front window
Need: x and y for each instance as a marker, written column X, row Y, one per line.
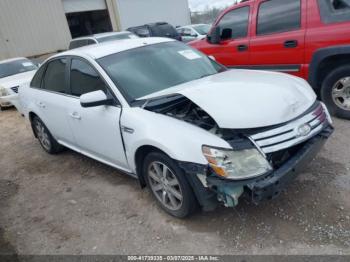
column 16, row 67
column 276, row 16
column 202, row 29
column 234, row 24
column 84, row 79
column 142, row 71
column 116, row 37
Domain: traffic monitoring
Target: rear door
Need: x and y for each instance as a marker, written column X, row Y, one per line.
column 233, row 50
column 51, row 100
column 278, row 36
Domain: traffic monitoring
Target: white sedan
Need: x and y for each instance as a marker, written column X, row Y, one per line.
column 195, row 133
column 14, row 73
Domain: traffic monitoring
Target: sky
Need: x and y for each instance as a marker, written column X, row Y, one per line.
column 200, row 5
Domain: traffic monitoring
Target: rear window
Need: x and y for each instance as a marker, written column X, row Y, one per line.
column 80, row 43
column 55, row 77
column 164, row 30
column 116, row 37
column 276, row 16
column 334, row 11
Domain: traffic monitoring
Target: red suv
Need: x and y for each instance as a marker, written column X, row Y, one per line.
column 306, row 38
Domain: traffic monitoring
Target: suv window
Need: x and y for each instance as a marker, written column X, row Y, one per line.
column 164, row 30
column 276, row 16
column 235, row 21
column 334, row 11
column 55, row 77
column 84, row 79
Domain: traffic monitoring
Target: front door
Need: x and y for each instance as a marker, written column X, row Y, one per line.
column 233, row 51
column 96, row 129
column 277, row 41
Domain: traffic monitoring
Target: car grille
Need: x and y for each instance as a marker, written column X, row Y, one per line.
column 15, row 89
column 292, row 133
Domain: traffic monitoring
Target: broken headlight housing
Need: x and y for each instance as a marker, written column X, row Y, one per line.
column 236, row 164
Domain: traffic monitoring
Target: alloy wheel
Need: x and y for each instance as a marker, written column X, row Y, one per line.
column 341, row 93
column 43, row 136
column 165, row 185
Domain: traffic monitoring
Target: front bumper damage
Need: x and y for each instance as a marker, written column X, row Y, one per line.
column 211, row 189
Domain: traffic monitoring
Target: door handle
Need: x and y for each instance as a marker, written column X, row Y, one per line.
column 75, row 115
column 41, row 104
column 242, row 48
column 291, row 44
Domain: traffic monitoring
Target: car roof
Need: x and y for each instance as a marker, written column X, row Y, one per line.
column 12, row 60
column 112, row 47
column 97, row 36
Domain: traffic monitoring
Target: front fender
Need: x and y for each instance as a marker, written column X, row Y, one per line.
column 179, row 140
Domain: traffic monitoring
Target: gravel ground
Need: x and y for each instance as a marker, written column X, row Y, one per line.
column 70, row 204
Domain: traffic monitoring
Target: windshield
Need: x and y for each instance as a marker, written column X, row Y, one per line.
column 146, row 70
column 116, row 37
column 16, row 67
column 202, row 29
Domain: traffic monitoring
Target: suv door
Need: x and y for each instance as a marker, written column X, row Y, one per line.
column 50, row 96
column 96, row 129
column 278, row 36
column 233, row 50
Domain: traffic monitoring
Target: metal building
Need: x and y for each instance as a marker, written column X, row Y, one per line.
column 34, row 27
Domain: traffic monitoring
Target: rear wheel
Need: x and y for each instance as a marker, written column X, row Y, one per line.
column 168, row 184
column 48, row 143
column 335, row 92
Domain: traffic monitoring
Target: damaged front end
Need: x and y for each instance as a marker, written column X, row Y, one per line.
column 262, row 161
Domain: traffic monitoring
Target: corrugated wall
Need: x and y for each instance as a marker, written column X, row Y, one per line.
column 139, row 12
column 32, row 27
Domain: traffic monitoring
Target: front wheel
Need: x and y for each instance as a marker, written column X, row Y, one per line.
column 335, row 92
column 168, row 184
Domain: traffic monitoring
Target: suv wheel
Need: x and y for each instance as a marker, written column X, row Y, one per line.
column 48, row 143
column 168, row 185
column 335, row 92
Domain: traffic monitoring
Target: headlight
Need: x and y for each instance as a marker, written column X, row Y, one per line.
column 241, row 164
column 3, row 91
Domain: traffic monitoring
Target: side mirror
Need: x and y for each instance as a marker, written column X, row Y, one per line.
column 215, row 36
column 96, row 98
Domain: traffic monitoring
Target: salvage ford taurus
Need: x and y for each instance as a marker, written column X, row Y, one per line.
column 195, row 133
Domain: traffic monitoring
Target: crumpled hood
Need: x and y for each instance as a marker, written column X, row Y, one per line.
column 238, row 99
column 17, row 80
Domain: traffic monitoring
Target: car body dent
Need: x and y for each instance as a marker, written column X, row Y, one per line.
column 180, row 140
column 268, row 98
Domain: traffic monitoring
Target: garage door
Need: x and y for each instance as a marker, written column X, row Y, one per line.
column 73, row 6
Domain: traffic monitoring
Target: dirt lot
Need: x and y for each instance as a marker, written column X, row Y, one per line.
column 70, row 204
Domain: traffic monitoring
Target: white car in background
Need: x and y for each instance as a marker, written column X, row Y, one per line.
column 193, row 32
column 14, row 73
column 194, row 132
column 100, row 38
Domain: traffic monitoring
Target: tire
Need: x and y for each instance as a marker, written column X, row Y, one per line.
column 331, row 88
column 174, row 174
column 47, row 142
